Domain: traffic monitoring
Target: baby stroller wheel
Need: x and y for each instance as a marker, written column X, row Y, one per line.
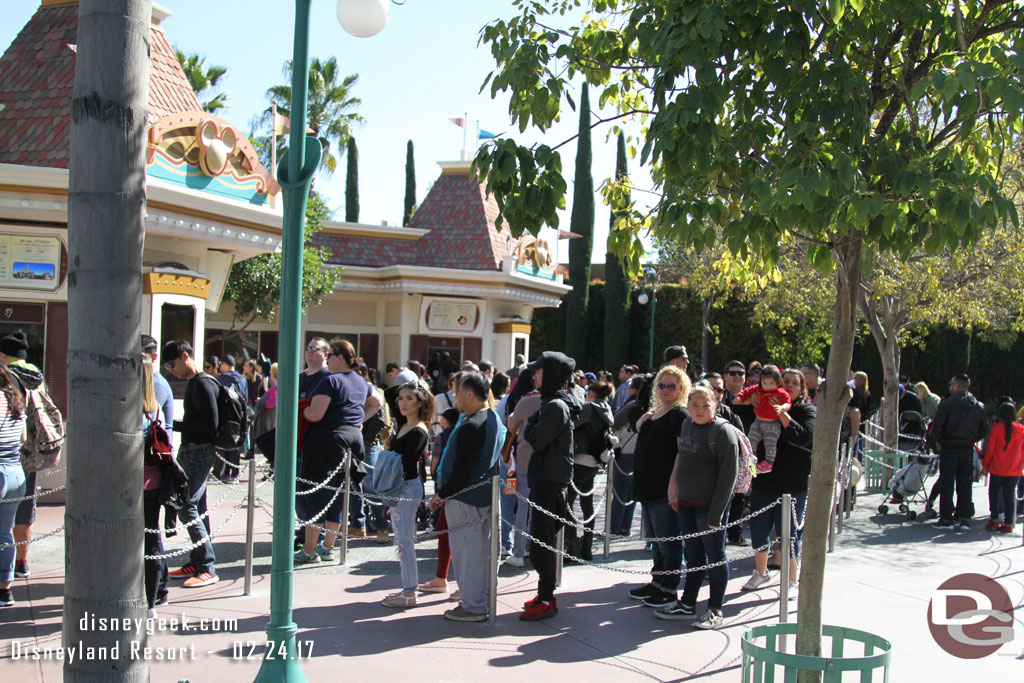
column 884, row 509
column 911, row 515
column 903, row 507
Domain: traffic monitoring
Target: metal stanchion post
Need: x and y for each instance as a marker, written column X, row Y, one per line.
column 848, row 510
column 344, row 515
column 492, row 597
column 560, row 547
column 843, row 452
column 787, row 553
column 250, row 511
column 609, row 494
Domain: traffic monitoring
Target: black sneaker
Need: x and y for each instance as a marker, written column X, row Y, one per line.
column 677, row 610
column 6, row 598
column 643, row 592
column 660, row 599
column 21, row 569
column 944, row 525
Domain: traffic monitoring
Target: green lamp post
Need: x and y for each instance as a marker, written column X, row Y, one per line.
column 361, row 18
column 650, row 279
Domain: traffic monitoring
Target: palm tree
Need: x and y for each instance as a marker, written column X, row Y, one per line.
column 203, row 79
column 331, row 107
column 106, row 209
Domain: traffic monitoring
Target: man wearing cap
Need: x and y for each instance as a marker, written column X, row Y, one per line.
column 13, row 354
column 677, row 356
column 520, row 363
column 195, row 455
column 908, row 398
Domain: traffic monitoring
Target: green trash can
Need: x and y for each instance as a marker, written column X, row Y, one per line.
column 879, row 466
column 761, row 661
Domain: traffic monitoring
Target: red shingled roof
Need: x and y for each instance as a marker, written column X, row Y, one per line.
column 36, row 76
column 463, row 234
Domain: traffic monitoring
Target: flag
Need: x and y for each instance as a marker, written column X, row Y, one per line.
column 73, row 47
column 283, row 125
column 460, row 122
column 485, row 135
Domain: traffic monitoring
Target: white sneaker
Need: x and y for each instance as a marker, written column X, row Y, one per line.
column 515, row 561
column 151, row 613
column 710, row 620
column 757, row 580
column 793, row 588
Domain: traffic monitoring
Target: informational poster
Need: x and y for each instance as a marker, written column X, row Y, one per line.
column 30, row 262
column 463, row 317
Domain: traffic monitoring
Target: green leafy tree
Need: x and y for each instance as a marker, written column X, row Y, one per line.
column 580, row 248
column 617, row 290
column 254, row 285
column 410, row 185
column 352, row 183
column 332, row 108
column 842, row 125
column 204, row 80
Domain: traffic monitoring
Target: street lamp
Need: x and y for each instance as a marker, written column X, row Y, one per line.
column 649, row 281
column 361, row 18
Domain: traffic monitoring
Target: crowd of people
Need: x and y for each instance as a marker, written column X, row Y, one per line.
column 695, row 449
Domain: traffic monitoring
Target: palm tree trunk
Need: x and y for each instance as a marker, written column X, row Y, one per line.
column 823, row 459
column 106, row 207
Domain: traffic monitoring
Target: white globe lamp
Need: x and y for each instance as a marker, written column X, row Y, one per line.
column 362, row 18
column 643, row 298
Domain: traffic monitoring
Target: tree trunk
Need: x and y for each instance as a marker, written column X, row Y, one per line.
column 890, row 353
column 106, row 208
column 831, row 404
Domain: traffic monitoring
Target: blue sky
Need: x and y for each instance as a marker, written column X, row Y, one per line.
column 423, row 68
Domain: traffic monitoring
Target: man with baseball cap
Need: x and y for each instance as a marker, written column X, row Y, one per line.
column 677, row 356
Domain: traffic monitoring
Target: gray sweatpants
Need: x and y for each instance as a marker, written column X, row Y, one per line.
column 470, row 549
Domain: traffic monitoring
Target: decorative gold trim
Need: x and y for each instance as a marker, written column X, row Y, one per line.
column 509, row 328
column 367, row 232
column 445, row 280
column 169, row 283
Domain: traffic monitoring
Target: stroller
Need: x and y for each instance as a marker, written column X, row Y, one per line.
column 907, row 485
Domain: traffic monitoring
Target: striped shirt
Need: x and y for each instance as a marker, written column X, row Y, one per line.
column 11, row 429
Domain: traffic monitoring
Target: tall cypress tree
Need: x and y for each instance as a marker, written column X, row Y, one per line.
column 410, row 184
column 581, row 223
column 352, row 183
column 616, row 289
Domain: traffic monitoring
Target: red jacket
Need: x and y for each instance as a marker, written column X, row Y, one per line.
column 764, row 409
column 1005, row 459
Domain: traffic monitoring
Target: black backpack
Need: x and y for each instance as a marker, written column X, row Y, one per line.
column 233, row 419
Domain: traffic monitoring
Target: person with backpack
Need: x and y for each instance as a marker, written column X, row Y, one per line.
column 790, row 475
column 622, row 507
column 592, row 443
column 523, row 401
column 198, row 428
column 231, row 379
column 549, row 432
column 699, row 490
column 336, row 413
column 155, row 572
column 959, row 423
column 417, row 407
column 1003, row 460
column 12, row 476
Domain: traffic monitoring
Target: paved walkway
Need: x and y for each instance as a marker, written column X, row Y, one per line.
column 880, row 579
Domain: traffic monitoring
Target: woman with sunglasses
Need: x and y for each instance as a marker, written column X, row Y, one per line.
column 656, row 444
column 335, row 414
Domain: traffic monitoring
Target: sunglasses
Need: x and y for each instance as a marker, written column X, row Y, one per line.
column 670, row 387
column 314, row 347
column 736, row 373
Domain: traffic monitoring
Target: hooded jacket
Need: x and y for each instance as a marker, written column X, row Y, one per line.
column 959, row 423
column 588, row 431
column 549, row 430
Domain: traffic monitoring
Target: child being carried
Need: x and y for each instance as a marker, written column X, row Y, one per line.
column 771, row 400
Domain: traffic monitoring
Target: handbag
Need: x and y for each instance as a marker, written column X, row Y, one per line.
column 510, row 440
column 157, row 443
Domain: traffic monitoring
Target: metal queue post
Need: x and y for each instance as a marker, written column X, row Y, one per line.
column 560, row 546
column 249, row 515
column 343, row 531
column 784, row 563
column 495, row 558
column 608, row 493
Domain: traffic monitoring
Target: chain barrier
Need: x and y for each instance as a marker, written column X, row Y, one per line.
column 46, row 473
column 320, row 485
column 798, row 524
column 38, row 494
column 621, row 471
column 210, row 537
column 197, row 520
column 593, row 516
column 33, row 539
column 580, row 493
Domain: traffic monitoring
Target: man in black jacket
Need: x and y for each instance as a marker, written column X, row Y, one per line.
column 959, row 424
column 549, row 432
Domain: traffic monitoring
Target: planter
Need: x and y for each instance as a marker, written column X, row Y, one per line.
column 879, row 466
column 761, row 661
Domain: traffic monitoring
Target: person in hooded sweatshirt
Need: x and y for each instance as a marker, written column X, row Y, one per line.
column 590, row 440
column 549, row 433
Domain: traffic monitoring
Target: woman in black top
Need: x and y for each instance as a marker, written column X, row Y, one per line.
column 789, row 475
column 657, row 442
column 416, row 405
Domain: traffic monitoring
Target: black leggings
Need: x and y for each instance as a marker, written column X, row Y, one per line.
column 544, row 528
column 583, row 478
column 155, row 570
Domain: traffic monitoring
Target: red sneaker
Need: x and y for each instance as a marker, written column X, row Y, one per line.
column 530, row 603
column 763, row 467
column 1005, row 528
column 993, row 525
column 184, row 572
column 540, row 610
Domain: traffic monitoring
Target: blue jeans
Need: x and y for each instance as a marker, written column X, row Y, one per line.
column 12, row 485
column 1002, row 498
column 622, row 484
column 660, row 521
column 196, row 460
column 362, row 512
column 508, row 508
column 762, row 524
column 523, row 515
column 403, row 520
column 700, row 551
